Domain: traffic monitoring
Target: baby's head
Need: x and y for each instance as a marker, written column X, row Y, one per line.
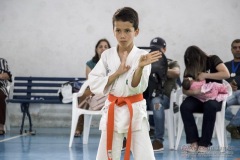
column 186, row 84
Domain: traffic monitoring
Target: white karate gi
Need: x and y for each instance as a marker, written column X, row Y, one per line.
column 141, row 146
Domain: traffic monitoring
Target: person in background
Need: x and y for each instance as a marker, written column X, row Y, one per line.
column 234, row 68
column 201, row 66
column 100, row 47
column 122, row 73
column 5, row 76
column 161, row 102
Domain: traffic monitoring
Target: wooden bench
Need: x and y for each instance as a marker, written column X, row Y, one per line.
column 44, row 90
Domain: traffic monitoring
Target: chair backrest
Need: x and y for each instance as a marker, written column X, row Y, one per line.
column 83, row 88
column 229, row 87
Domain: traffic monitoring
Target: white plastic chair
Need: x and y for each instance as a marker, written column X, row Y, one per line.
column 169, row 117
column 219, row 123
column 76, row 112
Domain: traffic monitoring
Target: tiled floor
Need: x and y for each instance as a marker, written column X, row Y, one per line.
column 52, row 143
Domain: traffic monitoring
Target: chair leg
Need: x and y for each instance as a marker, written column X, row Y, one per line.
column 220, row 132
column 225, row 139
column 175, row 117
column 87, row 125
column 170, row 128
column 75, row 117
column 7, row 123
column 179, row 131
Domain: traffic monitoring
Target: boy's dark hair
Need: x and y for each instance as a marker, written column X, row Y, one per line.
column 96, row 58
column 126, row 14
column 186, row 84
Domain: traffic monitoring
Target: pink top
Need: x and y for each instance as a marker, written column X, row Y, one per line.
column 210, row 91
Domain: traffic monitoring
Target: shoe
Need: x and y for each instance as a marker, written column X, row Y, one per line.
column 230, row 128
column 191, row 148
column 124, row 144
column 202, row 149
column 157, row 145
column 235, row 134
column 77, row 134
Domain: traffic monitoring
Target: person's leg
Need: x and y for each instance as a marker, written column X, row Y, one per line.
column 159, row 117
column 210, row 109
column 2, row 111
column 116, row 146
column 235, row 121
column 233, row 126
column 228, row 114
column 189, row 106
column 80, row 124
column 150, row 120
column 159, row 120
column 141, row 144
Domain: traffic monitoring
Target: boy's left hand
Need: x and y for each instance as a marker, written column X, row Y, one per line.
column 149, row 58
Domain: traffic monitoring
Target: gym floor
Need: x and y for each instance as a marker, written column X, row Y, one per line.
column 52, row 143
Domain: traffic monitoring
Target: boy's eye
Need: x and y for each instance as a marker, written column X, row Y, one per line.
column 127, row 31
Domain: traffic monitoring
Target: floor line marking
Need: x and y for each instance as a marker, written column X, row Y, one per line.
column 7, row 139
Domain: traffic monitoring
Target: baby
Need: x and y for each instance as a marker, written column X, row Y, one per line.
column 206, row 91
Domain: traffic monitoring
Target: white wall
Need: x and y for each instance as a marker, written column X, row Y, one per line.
column 57, row 37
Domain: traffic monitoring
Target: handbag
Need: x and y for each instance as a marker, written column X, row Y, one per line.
column 96, row 102
column 90, row 101
column 65, row 93
column 67, row 89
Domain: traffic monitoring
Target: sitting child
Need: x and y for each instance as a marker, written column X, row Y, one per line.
column 206, row 91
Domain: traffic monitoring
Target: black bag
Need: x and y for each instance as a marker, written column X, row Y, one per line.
column 157, row 78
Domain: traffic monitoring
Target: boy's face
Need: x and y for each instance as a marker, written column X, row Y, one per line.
column 124, row 33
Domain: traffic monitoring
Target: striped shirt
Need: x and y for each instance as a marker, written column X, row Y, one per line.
column 4, row 69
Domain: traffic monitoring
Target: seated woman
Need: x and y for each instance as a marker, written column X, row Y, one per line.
column 211, row 68
column 206, row 91
column 100, row 47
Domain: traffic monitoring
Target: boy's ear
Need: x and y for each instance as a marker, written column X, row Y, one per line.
column 136, row 32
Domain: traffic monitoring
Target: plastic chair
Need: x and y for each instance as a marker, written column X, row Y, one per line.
column 169, row 117
column 76, row 112
column 219, row 123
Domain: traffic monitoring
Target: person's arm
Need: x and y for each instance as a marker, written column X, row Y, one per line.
column 143, row 61
column 4, row 76
column 233, row 84
column 88, row 70
column 123, row 68
column 222, row 73
column 173, row 72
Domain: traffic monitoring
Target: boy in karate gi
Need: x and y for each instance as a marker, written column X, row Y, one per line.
column 122, row 73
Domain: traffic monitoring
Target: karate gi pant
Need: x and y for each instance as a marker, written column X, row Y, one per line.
column 141, row 146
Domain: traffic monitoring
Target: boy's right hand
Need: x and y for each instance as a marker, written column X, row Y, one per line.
column 149, row 58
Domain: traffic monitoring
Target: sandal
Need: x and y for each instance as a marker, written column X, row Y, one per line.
column 192, row 148
column 202, row 149
column 77, row 134
column 2, row 132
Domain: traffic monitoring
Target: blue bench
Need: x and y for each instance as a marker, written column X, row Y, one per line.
column 44, row 90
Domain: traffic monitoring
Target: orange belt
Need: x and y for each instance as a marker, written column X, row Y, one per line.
column 120, row 101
